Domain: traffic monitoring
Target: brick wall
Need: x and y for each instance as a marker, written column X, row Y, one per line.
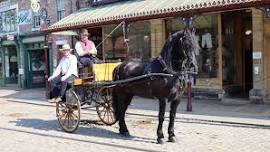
column 50, row 6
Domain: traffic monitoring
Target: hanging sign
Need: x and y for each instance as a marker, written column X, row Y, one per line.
column 35, row 6
column 10, row 37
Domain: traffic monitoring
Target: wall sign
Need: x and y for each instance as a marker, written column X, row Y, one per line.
column 102, row 2
column 257, row 55
column 25, row 17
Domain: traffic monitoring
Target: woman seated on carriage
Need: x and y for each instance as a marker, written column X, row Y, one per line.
column 65, row 72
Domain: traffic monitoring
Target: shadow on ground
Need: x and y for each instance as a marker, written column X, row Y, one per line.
column 91, row 128
column 37, row 94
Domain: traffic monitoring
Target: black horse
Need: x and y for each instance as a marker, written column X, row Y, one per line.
column 177, row 55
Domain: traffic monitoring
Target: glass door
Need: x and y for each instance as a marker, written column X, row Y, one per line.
column 36, row 68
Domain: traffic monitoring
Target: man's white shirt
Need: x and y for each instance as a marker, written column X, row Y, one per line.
column 67, row 67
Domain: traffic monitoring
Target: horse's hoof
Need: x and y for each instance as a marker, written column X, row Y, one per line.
column 125, row 134
column 172, row 139
column 161, row 141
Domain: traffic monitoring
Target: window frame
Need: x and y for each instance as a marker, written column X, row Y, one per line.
column 60, row 9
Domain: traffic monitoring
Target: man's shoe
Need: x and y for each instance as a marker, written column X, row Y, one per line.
column 58, row 99
column 52, row 100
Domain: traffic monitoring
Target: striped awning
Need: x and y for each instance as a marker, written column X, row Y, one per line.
column 134, row 10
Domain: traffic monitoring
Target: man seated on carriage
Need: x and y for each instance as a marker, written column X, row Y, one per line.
column 65, row 72
column 86, row 50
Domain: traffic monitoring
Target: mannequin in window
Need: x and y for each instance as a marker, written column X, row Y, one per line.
column 207, row 40
column 207, row 45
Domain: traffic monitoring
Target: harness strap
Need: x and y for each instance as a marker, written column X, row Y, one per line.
column 162, row 62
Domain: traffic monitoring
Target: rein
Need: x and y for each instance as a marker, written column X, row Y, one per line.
column 110, row 33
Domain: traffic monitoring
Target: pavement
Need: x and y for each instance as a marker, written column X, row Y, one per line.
column 227, row 111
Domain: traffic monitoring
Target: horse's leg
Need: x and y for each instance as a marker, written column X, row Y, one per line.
column 162, row 108
column 174, row 105
column 123, row 103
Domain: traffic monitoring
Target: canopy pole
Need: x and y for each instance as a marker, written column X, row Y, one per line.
column 46, row 49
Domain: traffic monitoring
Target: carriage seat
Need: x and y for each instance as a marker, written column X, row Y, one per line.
column 84, row 72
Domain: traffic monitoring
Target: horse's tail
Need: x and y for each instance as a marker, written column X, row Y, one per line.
column 115, row 73
column 114, row 93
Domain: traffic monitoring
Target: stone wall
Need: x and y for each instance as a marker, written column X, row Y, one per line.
column 267, row 56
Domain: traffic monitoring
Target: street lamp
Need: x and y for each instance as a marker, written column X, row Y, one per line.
column 266, row 9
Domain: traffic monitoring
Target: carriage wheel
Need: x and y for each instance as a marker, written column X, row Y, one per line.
column 68, row 113
column 104, row 108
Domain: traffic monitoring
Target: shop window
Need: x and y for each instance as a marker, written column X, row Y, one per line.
column 206, row 32
column 8, row 21
column 11, row 64
column 139, row 42
column 60, row 9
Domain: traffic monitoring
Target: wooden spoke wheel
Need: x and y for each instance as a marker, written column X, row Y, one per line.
column 68, row 113
column 104, row 108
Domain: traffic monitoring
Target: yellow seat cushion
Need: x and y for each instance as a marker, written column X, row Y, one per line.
column 103, row 71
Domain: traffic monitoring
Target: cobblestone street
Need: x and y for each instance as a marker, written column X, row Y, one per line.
column 33, row 127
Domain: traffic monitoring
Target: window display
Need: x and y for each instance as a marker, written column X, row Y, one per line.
column 206, row 31
column 139, row 42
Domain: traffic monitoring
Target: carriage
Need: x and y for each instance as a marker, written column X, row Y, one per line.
column 88, row 91
column 112, row 86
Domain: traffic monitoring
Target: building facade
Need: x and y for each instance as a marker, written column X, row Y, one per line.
column 233, row 35
column 22, row 52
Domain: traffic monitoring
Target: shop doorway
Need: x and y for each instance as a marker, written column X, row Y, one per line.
column 36, row 68
column 10, row 65
column 237, row 53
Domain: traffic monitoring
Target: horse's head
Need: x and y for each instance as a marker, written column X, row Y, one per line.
column 190, row 45
column 179, row 51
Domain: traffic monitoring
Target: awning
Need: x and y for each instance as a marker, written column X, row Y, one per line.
column 134, row 10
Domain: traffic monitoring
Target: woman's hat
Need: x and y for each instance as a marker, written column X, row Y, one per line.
column 65, row 47
column 84, row 32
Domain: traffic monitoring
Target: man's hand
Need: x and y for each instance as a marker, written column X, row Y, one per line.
column 49, row 79
column 91, row 51
column 63, row 78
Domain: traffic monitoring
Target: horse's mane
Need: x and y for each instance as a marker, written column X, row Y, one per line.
column 166, row 51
